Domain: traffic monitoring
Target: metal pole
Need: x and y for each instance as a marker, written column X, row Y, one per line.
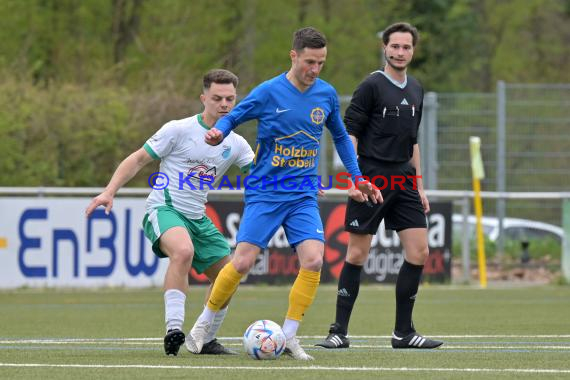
column 423, row 142
column 430, row 102
column 478, row 174
column 382, row 56
column 466, row 238
column 565, row 262
column 501, row 165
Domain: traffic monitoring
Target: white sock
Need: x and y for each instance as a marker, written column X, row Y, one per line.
column 207, row 315
column 216, row 324
column 290, row 327
column 174, row 301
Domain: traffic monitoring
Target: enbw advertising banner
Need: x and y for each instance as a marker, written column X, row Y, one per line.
column 48, row 242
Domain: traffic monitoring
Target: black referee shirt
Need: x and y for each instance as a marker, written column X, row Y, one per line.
column 385, row 118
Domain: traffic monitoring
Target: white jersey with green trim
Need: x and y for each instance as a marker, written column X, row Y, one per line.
column 191, row 166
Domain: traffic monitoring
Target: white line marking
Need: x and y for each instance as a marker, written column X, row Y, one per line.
column 448, row 346
column 65, row 342
column 125, row 340
column 477, row 347
column 498, row 336
column 303, row 368
column 434, row 335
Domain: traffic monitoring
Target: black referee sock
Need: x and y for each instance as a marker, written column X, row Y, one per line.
column 348, row 287
column 406, row 290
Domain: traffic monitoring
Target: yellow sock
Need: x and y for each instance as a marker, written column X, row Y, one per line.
column 302, row 293
column 225, row 285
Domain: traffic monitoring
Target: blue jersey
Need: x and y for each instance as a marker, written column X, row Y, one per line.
column 290, row 125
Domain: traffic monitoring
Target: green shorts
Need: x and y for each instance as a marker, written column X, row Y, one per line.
column 210, row 246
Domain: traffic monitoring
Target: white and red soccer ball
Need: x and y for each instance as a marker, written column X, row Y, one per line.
column 264, row 340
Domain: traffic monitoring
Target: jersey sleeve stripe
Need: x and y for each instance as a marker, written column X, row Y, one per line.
column 245, row 169
column 255, row 155
column 150, row 151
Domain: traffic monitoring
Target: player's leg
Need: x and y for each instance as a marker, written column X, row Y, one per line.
column 250, row 240
column 231, row 274
column 303, row 293
column 348, row 288
column 170, row 238
column 361, row 221
column 177, row 245
column 224, row 287
column 414, row 242
column 408, row 218
column 212, row 252
column 211, row 345
column 304, row 231
column 212, row 273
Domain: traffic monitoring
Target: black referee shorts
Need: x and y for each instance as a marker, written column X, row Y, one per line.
column 402, row 207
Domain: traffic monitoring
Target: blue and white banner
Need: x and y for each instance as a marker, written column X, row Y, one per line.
column 50, row 242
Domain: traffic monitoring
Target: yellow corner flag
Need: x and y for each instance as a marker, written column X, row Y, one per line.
column 478, row 173
column 476, row 160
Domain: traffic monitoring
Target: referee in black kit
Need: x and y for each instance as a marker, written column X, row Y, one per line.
column 382, row 120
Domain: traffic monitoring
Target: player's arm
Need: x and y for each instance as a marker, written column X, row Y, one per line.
column 245, row 168
column 356, row 119
column 364, row 190
column 354, row 141
column 248, row 109
column 245, row 156
column 347, row 154
column 353, row 192
column 415, row 161
column 361, row 107
column 126, row 170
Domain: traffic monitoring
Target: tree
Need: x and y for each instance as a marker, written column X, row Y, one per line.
column 126, row 21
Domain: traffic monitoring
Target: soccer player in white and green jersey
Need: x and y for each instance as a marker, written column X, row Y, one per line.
column 175, row 220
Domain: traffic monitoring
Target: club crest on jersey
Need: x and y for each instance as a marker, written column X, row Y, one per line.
column 317, row 115
column 227, row 151
column 203, row 173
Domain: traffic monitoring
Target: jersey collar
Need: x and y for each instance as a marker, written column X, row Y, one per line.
column 393, row 81
column 292, row 86
column 201, row 122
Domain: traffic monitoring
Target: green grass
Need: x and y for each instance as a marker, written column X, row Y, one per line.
column 467, row 319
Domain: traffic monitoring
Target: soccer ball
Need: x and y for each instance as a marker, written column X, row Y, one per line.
column 264, row 340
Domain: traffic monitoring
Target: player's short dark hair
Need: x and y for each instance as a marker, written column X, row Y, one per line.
column 402, row 27
column 308, row 37
column 220, row 76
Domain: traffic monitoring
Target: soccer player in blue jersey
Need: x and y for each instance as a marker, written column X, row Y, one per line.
column 291, row 110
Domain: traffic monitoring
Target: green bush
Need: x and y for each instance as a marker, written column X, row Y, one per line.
column 71, row 135
column 546, row 248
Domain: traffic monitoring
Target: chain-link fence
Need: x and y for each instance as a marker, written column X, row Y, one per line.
column 537, row 137
column 537, row 145
column 525, row 135
column 448, row 121
column 460, row 116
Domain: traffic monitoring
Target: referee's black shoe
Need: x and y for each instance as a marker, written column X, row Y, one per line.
column 335, row 339
column 172, row 341
column 414, row 340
